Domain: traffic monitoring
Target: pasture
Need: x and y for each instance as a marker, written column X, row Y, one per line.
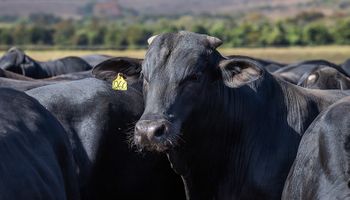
column 336, row 54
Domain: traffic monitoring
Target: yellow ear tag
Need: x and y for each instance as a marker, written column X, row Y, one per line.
column 119, row 83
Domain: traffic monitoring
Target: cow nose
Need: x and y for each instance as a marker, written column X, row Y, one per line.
column 151, row 130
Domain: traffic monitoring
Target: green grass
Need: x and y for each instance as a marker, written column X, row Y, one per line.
column 337, row 54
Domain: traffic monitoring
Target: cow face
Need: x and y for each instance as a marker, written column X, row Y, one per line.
column 179, row 71
column 16, row 61
column 12, row 60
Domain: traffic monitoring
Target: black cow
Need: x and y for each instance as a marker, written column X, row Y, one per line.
column 95, row 59
column 36, row 159
column 97, row 120
column 229, row 128
column 16, row 61
column 321, row 168
column 69, row 77
column 12, row 75
column 23, row 84
column 325, row 78
column 294, row 72
column 62, row 77
column 346, row 66
column 269, row 65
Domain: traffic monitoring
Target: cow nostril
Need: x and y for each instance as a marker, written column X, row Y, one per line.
column 159, row 131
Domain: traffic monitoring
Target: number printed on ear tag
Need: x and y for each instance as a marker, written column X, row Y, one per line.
column 119, row 83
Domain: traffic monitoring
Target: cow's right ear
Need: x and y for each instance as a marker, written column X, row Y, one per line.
column 109, row 69
column 237, row 72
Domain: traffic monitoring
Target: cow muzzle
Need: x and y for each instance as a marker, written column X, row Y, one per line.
column 153, row 134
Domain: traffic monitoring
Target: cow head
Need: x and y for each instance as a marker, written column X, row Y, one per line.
column 179, row 70
column 325, row 77
column 16, row 61
column 12, row 60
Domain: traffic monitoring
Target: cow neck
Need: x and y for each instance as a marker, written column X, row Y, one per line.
column 34, row 69
column 305, row 104
column 47, row 69
column 243, row 137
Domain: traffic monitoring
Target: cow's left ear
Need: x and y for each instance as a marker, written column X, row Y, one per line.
column 109, row 69
column 237, row 72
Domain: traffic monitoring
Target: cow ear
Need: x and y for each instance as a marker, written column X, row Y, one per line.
column 237, row 72
column 109, row 69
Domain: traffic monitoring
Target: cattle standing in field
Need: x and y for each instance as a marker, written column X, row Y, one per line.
column 16, row 61
column 324, row 77
column 97, row 120
column 321, row 168
column 229, row 128
column 23, row 83
column 36, row 159
column 294, row 72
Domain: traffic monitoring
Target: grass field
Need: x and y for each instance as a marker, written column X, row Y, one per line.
column 337, row 54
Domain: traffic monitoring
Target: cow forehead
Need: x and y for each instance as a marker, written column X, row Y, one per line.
column 179, row 42
column 182, row 53
column 175, row 66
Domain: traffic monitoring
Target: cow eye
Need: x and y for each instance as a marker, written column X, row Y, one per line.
column 191, row 78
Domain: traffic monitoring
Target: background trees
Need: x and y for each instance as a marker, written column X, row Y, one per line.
column 250, row 31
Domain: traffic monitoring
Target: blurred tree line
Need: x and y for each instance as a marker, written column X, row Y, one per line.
column 254, row 30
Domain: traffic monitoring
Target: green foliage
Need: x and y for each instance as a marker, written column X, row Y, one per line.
column 40, row 35
column 317, row 34
column 81, row 39
column 253, row 30
column 64, row 32
column 20, row 32
column 342, row 32
column 6, row 37
column 137, row 35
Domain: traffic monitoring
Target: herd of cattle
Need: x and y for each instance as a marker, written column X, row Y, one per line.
column 190, row 123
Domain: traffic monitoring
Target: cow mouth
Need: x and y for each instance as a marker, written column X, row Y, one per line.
column 162, row 145
column 157, row 134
